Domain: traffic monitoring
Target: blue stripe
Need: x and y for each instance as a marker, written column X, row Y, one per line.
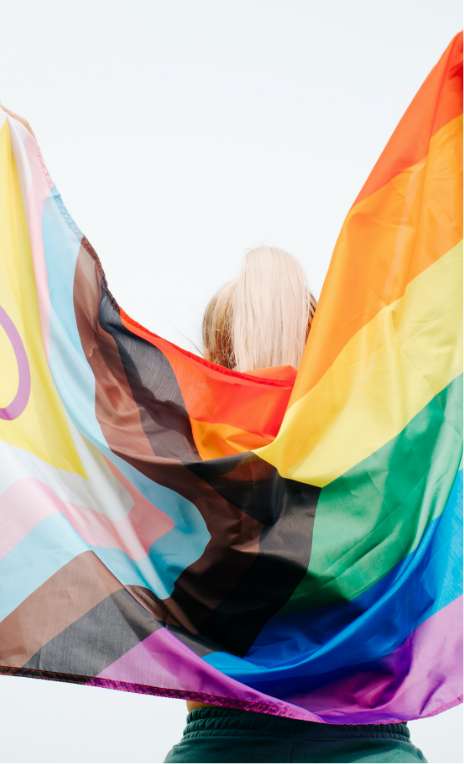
column 309, row 649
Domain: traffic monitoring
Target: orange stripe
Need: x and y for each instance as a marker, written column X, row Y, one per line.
column 438, row 100
column 387, row 239
column 215, row 440
column 251, row 402
column 380, row 225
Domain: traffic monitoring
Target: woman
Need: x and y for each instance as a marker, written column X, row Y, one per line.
column 262, row 319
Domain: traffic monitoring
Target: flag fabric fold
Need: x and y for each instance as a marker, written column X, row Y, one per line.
column 284, row 540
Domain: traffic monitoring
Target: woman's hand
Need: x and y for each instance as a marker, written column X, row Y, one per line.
column 20, row 119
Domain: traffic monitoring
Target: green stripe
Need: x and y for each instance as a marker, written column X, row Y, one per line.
column 375, row 514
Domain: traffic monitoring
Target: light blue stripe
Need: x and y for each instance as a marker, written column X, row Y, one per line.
column 75, row 383
column 52, row 543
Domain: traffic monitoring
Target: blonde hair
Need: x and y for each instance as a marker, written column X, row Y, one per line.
column 263, row 317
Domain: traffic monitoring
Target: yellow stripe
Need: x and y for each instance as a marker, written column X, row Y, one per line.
column 42, row 426
column 384, row 375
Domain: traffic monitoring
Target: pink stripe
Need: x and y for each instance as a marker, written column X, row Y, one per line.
column 145, row 519
column 28, row 501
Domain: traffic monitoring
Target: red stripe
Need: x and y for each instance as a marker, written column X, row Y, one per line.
column 438, row 100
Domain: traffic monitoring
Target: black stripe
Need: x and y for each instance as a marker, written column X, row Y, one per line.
column 98, row 638
column 250, row 568
column 154, row 387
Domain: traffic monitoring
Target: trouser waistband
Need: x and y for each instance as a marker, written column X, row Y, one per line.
column 210, row 720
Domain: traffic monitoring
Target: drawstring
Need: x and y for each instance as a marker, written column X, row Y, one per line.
column 208, row 721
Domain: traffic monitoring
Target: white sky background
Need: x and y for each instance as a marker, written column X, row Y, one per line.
column 179, row 134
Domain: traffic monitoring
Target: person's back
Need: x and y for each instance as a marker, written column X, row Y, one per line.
column 259, row 320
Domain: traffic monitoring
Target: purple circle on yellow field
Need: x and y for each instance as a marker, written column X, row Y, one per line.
column 19, row 402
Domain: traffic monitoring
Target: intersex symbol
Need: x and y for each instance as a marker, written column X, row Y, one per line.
column 17, row 405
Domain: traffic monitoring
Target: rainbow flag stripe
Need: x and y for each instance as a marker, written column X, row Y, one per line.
column 285, row 540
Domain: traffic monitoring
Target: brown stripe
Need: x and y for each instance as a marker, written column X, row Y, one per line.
column 76, row 588
column 261, row 533
column 97, row 639
column 120, row 420
column 115, row 408
column 138, row 399
column 232, row 549
column 254, row 516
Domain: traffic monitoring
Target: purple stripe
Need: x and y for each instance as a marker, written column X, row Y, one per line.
column 163, row 665
column 420, row 678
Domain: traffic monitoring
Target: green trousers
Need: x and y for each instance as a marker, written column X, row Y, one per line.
column 231, row 735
